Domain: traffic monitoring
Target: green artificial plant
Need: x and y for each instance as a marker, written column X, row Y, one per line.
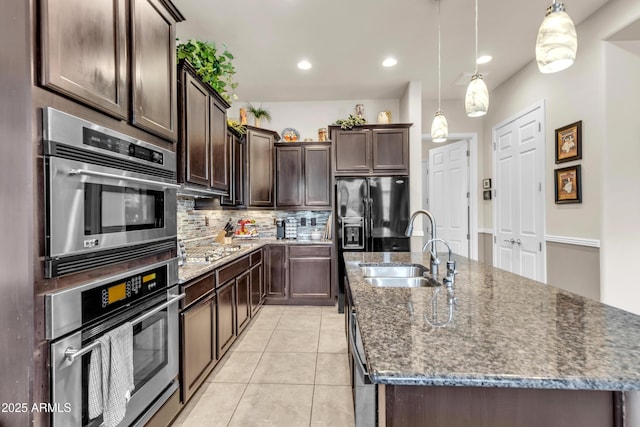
column 259, row 113
column 350, row 121
column 214, row 66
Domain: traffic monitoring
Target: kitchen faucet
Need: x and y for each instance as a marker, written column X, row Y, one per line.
column 451, row 264
column 434, row 252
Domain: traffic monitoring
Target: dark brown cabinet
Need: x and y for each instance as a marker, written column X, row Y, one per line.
column 237, row 160
column 303, row 175
column 299, row 274
column 275, row 276
column 243, row 291
column 226, row 320
column 84, row 55
column 371, row 150
column 198, row 333
column 257, row 286
column 260, row 166
column 203, row 154
column 310, row 272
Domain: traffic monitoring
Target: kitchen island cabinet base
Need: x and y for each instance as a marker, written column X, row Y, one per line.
column 484, row 407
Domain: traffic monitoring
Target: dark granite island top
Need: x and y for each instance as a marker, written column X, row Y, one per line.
column 506, row 332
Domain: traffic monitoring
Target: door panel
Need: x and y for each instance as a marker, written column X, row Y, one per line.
column 518, row 217
column 448, row 189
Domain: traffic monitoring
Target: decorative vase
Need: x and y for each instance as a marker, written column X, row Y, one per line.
column 360, row 110
column 383, row 118
column 256, row 122
column 243, row 116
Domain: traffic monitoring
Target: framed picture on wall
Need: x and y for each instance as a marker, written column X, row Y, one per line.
column 569, row 142
column 486, row 183
column 568, row 185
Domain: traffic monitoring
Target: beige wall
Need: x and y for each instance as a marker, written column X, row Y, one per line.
column 574, row 268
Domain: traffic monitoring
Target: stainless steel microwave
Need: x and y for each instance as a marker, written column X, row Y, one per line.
column 109, row 197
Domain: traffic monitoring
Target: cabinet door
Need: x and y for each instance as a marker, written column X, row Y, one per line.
column 219, row 147
column 240, row 171
column 390, row 150
column 309, row 276
column 198, row 344
column 256, row 288
column 243, row 289
column 260, row 170
column 231, row 148
column 153, row 67
column 84, row 52
column 352, row 150
column 317, row 176
column 275, row 277
column 196, row 132
column 289, row 186
column 226, row 316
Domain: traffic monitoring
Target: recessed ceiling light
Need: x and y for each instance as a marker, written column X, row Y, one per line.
column 484, row 59
column 304, row 65
column 389, row 62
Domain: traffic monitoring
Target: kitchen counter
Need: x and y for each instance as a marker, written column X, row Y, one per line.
column 192, row 270
column 505, row 331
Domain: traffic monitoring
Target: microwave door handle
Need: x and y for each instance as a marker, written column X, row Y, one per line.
column 120, row 177
column 72, row 354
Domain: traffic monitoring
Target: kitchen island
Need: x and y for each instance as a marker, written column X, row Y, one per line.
column 513, row 352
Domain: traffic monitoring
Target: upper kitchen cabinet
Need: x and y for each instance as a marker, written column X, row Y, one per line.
column 204, row 149
column 371, row 149
column 303, row 175
column 237, row 158
column 260, row 166
column 117, row 59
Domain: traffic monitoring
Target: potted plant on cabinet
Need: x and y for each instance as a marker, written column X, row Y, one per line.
column 214, row 66
column 258, row 113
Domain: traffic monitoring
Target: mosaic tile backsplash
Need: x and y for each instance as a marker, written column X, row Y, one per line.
column 200, row 223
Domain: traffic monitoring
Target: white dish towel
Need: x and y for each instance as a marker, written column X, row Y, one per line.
column 111, row 375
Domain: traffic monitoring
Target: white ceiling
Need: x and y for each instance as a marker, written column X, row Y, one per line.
column 346, row 41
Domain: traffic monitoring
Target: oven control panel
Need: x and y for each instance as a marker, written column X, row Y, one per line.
column 112, row 296
column 108, row 142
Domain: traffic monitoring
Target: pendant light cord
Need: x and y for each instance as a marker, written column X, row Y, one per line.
column 439, row 59
column 475, row 60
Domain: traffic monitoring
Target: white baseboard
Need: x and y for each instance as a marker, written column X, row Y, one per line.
column 592, row 243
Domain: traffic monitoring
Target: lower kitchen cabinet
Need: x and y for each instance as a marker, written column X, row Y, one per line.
column 275, row 272
column 243, row 291
column 257, row 286
column 198, row 334
column 298, row 274
column 310, row 272
column 226, row 320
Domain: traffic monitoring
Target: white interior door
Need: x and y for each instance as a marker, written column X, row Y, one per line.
column 449, row 194
column 519, row 194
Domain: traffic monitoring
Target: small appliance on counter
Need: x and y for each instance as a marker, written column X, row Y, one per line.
column 291, row 228
column 280, row 228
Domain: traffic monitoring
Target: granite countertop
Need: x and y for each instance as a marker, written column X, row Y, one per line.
column 505, row 331
column 192, row 270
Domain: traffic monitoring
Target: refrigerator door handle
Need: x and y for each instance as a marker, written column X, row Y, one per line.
column 370, row 216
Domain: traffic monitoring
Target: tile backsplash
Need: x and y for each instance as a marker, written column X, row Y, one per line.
column 200, row 223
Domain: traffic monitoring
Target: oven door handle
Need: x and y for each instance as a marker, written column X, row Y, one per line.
column 121, row 177
column 71, row 354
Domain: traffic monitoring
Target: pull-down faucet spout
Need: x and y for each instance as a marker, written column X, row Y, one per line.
column 434, row 252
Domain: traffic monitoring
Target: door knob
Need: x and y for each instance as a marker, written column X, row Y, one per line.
column 510, row 241
column 518, row 241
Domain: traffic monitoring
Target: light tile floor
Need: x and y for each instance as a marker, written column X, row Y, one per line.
column 288, row 369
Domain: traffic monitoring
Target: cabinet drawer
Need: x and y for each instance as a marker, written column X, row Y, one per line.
column 309, row 251
column 197, row 288
column 232, row 269
column 255, row 257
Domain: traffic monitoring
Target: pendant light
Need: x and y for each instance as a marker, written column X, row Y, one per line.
column 476, row 101
column 439, row 127
column 557, row 41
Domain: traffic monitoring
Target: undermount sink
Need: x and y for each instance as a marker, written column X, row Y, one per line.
column 400, row 282
column 393, row 270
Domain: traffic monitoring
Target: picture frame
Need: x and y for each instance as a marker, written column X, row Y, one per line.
column 569, row 142
column 568, row 184
column 486, row 194
column 486, row 183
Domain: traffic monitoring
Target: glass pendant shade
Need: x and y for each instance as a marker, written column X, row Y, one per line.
column 439, row 128
column 476, row 101
column 557, row 42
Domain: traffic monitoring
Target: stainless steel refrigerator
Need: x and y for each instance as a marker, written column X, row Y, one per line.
column 371, row 215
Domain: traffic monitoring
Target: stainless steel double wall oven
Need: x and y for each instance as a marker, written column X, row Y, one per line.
column 110, row 198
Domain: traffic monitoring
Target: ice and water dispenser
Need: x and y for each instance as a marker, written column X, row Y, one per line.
column 353, row 233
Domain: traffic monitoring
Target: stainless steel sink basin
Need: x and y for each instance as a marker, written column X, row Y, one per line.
column 407, row 270
column 400, row 282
